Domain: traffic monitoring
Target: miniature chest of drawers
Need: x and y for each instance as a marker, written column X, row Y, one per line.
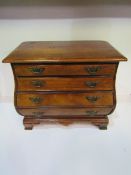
column 65, row 81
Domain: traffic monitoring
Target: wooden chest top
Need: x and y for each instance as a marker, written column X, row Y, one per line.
column 64, row 51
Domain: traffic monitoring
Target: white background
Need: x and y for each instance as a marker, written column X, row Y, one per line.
column 57, row 150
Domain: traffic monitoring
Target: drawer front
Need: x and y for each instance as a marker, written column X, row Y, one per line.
column 64, row 84
column 65, row 112
column 75, row 69
column 63, row 99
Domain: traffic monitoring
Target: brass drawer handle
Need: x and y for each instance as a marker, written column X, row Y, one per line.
column 91, row 84
column 38, row 83
column 93, row 69
column 35, row 100
column 38, row 113
column 91, row 113
column 36, row 70
column 92, row 99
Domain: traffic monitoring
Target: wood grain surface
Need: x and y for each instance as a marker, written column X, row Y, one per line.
column 64, row 51
column 65, row 81
column 91, row 99
column 64, row 84
column 62, row 70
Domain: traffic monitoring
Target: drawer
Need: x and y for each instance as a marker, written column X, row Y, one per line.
column 65, row 111
column 64, row 99
column 64, row 84
column 67, row 69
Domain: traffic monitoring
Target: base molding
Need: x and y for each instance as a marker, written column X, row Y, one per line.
column 100, row 121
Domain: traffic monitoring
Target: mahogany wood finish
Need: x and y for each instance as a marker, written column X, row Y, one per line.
column 66, row 112
column 65, row 81
column 91, row 99
column 58, row 69
column 64, row 52
column 64, row 84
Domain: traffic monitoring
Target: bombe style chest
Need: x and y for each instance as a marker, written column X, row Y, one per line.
column 65, row 81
